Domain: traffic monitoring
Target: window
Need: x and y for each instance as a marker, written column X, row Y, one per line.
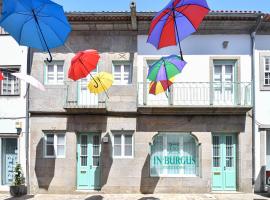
column 122, row 73
column 54, row 145
column 174, row 155
column 265, row 71
column 11, row 84
column 123, row 144
column 55, row 73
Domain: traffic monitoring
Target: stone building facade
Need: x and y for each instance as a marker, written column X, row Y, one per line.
column 197, row 139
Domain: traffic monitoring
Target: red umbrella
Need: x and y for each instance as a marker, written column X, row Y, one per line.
column 82, row 64
column 1, row 76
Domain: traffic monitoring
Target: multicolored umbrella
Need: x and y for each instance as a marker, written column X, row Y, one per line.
column 39, row 24
column 178, row 20
column 166, row 68
column 160, row 86
column 82, row 64
column 100, row 83
column 29, row 79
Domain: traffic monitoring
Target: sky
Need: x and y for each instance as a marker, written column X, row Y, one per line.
column 156, row 5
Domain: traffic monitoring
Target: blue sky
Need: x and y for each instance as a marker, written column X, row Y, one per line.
column 155, row 5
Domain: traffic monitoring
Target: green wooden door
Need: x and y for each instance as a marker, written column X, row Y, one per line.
column 88, row 161
column 224, row 162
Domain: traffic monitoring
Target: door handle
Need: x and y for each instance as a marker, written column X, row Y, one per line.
column 224, row 168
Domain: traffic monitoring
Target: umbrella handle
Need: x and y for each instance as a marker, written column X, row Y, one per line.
column 49, row 59
column 96, row 86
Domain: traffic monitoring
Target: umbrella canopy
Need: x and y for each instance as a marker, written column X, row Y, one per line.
column 82, row 64
column 166, row 68
column 179, row 19
column 159, row 86
column 39, row 24
column 100, row 83
column 1, row 76
column 29, row 79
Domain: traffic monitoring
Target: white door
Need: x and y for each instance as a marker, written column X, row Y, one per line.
column 85, row 98
column 224, row 83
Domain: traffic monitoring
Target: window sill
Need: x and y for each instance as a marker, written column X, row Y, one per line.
column 53, row 157
column 10, row 95
column 121, row 158
column 175, row 176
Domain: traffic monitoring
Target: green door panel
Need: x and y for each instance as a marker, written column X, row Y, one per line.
column 224, row 162
column 88, row 161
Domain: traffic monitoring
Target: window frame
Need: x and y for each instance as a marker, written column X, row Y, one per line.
column 55, row 145
column 164, row 150
column 18, row 70
column 122, row 77
column 55, row 64
column 123, row 144
column 263, row 86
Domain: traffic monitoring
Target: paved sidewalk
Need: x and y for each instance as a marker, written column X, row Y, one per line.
column 236, row 196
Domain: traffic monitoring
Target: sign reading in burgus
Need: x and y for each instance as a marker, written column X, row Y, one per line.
column 267, row 175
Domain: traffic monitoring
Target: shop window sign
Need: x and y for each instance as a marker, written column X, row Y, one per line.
column 174, row 155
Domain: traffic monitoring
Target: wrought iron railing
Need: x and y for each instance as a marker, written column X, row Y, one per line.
column 198, row 94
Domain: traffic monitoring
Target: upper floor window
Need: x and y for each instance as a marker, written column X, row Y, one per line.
column 54, row 146
column 266, row 67
column 265, row 70
column 11, row 84
column 122, row 72
column 123, row 144
column 54, row 73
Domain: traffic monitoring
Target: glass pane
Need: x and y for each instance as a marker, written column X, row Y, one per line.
column 96, row 140
column 117, row 150
column 60, row 150
column 117, row 139
column 117, row 68
column 228, row 69
column 84, row 150
column 50, row 68
column 95, row 150
column 50, row 139
column 128, row 150
column 95, row 161
column 216, row 151
column 229, row 151
column 60, row 68
column 127, row 68
column 83, row 160
column 61, row 139
column 84, row 139
column 50, row 150
column 218, row 69
column 128, row 139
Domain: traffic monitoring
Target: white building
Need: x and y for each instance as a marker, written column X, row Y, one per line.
column 12, row 108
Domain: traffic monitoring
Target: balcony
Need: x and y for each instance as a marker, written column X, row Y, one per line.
column 194, row 97
column 80, row 100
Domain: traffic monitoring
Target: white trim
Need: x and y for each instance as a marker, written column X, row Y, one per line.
column 122, row 73
column 54, row 74
column 55, row 145
column 123, row 133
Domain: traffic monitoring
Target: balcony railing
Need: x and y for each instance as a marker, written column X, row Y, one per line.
column 231, row 94
column 80, row 97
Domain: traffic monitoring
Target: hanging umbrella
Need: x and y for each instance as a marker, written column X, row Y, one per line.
column 100, row 83
column 166, row 68
column 1, row 76
column 178, row 20
column 82, row 64
column 39, row 24
column 29, row 79
column 157, row 87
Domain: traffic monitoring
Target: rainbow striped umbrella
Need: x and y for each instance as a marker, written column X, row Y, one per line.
column 160, row 86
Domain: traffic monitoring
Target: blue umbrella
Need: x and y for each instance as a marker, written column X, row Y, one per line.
column 39, row 24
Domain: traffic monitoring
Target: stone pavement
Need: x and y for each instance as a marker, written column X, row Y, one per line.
column 212, row 196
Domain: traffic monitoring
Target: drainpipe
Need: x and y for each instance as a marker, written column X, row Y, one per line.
column 27, row 121
column 253, row 43
column 133, row 15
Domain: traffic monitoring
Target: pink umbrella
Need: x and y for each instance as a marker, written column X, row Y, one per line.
column 30, row 79
column 1, row 76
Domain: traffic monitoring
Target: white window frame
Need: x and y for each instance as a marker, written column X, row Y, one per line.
column 122, row 72
column 263, row 56
column 12, row 69
column 266, row 71
column 123, row 133
column 55, row 64
column 54, row 145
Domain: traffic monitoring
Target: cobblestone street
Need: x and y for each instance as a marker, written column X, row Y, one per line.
column 230, row 196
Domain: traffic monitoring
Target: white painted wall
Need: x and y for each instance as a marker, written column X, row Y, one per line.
column 13, row 107
column 262, row 104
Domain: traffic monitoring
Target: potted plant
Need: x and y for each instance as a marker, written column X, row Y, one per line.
column 18, row 188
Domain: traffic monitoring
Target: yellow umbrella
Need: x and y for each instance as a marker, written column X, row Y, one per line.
column 100, row 83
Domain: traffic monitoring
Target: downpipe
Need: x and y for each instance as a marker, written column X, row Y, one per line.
column 253, row 44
